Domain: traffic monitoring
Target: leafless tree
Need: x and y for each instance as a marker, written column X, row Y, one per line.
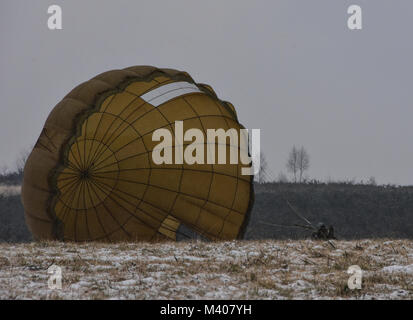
column 262, row 175
column 292, row 163
column 303, row 162
column 3, row 170
column 372, row 181
column 21, row 161
column 298, row 162
column 282, row 177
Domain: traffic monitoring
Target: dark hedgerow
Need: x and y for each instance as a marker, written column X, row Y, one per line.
column 355, row 211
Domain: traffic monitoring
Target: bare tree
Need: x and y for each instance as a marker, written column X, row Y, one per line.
column 21, row 161
column 372, row 181
column 261, row 177
column 292, row 163
column 282, row 177
column 298, row 162
column 303, row 162
column 3, row 171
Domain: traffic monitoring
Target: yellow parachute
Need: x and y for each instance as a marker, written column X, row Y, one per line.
column 91, row 175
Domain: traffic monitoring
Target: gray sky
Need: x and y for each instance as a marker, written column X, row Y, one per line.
column 291, row 68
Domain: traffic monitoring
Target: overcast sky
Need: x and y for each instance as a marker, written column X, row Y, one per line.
column 291, row 68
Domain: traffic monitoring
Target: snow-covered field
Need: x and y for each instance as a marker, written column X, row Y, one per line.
column 199, row 270
column 9, row 190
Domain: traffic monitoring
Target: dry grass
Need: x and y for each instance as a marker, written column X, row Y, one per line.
column 198, row 270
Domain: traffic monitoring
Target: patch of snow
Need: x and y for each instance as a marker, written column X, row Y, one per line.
column 300, row 285
column 318, row 247
column 130, row 282
column 148, row 280
column 192, row 258
column 10, row 190
column 399, row 294
column 399, row 269
column 253, row 254
column 224, row 278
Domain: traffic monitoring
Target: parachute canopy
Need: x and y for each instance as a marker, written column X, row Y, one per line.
column 91, row 175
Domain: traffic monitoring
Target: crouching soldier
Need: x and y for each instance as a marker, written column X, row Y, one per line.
column 323, row 233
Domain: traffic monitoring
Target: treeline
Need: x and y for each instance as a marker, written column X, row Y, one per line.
column 12, row 225
column 11, row 178
column 356, row 211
